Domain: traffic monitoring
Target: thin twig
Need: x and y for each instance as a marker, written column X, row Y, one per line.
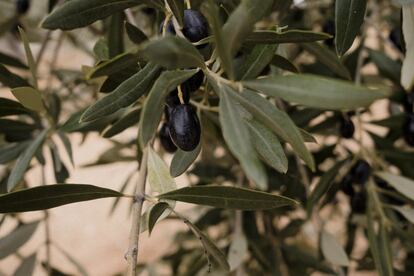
column 132, row 254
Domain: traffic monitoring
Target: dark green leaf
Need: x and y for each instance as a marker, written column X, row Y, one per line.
column 155, row 214
column 154, row 104
column 24, row 159
column 67, row 145
column 135, row 34
column 402, row 184
column 11, row 61
column 237, row 137
column 317, row 92
column 257, row 60
column 349, row 16
column 10, row 152
column 332, row 250
column 283, row 63
column 10, row 243
column 125, row 95
column 177, row 8
column 182, row 160
column 228, row 198
column 291, row 36
column 211, row 10
column 79, row 13
column 268, row 146
column 10, row 79
column 27, row 266
column 115, row 65
column 323, row 186
column 325, row 56
column 29, row 55
column 115, row 34
column 50, row 196
column 388, row 67
column 130, row 119
column 172, row 52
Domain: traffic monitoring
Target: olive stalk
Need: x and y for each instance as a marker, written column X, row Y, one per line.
column 139, row 197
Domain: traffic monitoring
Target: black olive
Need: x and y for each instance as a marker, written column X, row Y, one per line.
column 173, row 99
column 409, row 102
column 195, row 26
column 408, row 129
column 329, row 28
column 193, row 83
column 149, row 11
column 395, row 37
column 359, row 203
column 346, row 185
column 22, row 6
column 361, row 172
column 165, row 139
column 185, row 128
column 346, row 128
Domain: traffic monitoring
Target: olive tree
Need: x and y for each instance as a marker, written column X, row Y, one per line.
column 267, row 105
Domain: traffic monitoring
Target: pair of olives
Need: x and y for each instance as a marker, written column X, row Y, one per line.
column 408, row 127
column 358, row 175
column 182, row 126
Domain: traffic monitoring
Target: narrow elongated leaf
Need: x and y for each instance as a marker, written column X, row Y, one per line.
column 268, row 146
column 402, row 184
column 26, row 267
column 385, row 250
column 29, row 55
column 50, row 196
column 155, row 214
column 323, row 186
column 211, row 11
column 373, row 241
column 115, row 34
column 408, row 213
column 10, row 243
column 125, row 95
column 67, row 145
column 10, row 79
column 257, row 60
column 228, row 197
column 23, row 161
column 130, row 119
column 172, row 52
column 349, row 16
column 135, row 34
column 291, row 36
column 29, row 98
column 241, row 22
column 332, row 250
column 407, row 71
column 210, row 247
column 388, row 67
column 283, row 63
column 153, row 107
column 177, row 8
column 11, row 61
column 317, row 92
column 325, row 56
column 182, row 160
column 159, row 176
column 79, row 13
column 114, row 65
column 11, row 152
column 9, row 107
column 277, row 121
column 238, row 250
column 237, row 137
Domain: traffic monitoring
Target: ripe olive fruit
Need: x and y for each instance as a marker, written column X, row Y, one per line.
column 173, row 99
column 195, row 26
column 361, row 172
column 165, row 139
column 408, row 129
column 194, row 83
column 329, row 28
column 409, row 102
column 22, row 6
column 346, row 185
column 185, row 130
column 395, row 37
column 359, row 202
column 346, row 128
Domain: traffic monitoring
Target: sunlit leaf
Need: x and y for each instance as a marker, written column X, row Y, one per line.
column 29, row 98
